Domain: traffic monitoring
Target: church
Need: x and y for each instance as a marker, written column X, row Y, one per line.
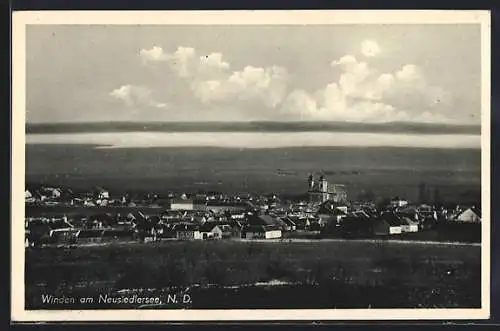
column 320, row 191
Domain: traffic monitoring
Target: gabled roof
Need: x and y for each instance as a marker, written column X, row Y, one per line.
column 334, row 211
column 289, row 221
column 391, row 218
column 408, row 209
column 208, row 227
column 476, row 211
column 263, row 220
column 361, row 214
column 186, row 227
column 137, row 215
column 473, row 209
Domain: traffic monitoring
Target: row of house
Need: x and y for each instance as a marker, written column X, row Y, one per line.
column 398, row 218
column 257, row 227
column 217, row 216
column 57, row 233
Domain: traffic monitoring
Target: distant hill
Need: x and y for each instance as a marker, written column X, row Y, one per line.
column 394, row 127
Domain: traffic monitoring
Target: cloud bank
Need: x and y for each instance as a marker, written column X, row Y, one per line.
column 363, row 94
column 212, row 81
column 358, row 91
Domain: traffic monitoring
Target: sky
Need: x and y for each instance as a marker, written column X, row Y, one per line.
column 347, row 73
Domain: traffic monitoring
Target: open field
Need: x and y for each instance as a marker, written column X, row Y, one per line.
column 317, row 274
column 386, row 172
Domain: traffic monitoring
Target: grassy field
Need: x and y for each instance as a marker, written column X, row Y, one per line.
column 386, row 172
column 318, row 274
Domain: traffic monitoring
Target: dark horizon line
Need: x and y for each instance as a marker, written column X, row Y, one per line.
column 251, row 126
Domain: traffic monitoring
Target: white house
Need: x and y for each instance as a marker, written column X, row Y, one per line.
column 89, row 203
column 182, row 205
column 52, row 192
column 470, row 215
column 262, row 232
column 273, row 233
column 28, row 197
column 102, row 202
column 409, row 225
column 102, row 193
column 210, row 231
column 188, row 232
column 331, row 211
column 398, row 202
column 237, row 215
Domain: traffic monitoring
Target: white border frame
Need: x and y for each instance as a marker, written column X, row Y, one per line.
column 21, row 19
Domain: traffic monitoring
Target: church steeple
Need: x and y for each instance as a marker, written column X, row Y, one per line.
column 323, row 184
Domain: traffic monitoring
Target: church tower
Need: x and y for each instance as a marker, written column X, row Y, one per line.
column 323, row 184
column 323, row 188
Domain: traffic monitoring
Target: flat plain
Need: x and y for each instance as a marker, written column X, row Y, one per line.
column 226, row 274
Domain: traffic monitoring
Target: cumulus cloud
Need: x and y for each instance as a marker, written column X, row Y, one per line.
column 213, row 60
column 153, row 54
column 212, row 81
column 363, row 94
column 184, row 61
column 409, row 89
column 370, row 48
column 268, row 85
column 409, row 73
column 360, row 92
column 134, row 96
column 354, row 74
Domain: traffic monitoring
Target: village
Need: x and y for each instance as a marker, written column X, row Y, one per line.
column 72, row 219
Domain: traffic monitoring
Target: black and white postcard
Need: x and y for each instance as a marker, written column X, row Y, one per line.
column 250, row 165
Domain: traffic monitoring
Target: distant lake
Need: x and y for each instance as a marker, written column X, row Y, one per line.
column 258, row 139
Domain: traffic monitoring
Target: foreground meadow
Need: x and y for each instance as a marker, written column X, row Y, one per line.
column 239, row 274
